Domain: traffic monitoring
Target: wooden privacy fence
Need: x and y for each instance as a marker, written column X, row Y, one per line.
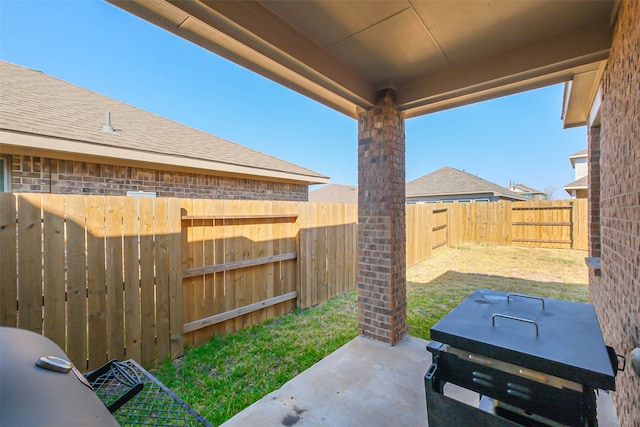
column 97, row 275
column 427, row 229
column 118, row 277
column 546, row 224
column 110, row 277
column 248, row 261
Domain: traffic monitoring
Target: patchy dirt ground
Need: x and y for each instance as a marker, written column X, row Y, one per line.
column 544, row 265
column 436, row 285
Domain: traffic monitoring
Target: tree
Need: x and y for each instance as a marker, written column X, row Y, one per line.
column 548, row 193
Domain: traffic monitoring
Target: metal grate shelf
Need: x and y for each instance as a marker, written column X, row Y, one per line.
column 152, row 405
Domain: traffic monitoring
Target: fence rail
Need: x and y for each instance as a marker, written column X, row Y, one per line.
column 109, row 277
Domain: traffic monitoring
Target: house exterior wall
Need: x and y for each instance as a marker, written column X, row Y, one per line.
column 528, row 195
column 580, row 194
column 452, row 198
column 616, row 296
column 594, row 191
column 581, row 167
column 46, row 175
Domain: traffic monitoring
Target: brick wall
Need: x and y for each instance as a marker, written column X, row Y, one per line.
column 617, row 295
column 43, row 175
column 594, row 191
column 381, row 222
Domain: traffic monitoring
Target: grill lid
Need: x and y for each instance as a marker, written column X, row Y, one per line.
column 558, row 337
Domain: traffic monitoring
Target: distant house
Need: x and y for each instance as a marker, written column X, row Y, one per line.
column 528, row 192
column 335, row 193
column 578, row 189
column 56, row 137
column 449, row 185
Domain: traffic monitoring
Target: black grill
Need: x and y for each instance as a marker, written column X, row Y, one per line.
column 535, row 362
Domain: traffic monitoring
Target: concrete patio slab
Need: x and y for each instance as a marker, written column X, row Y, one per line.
column 364, row 383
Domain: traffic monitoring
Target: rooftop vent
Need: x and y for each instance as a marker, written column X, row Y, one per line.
column 107, row 127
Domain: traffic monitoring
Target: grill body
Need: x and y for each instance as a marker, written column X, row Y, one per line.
column 539, row 364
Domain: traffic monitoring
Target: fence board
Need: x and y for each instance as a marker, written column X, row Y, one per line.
column 96, row 297
column 30, row 276
column 256, row 275
column 114, row 280
column 75, row 214
column 219, row 297
column 199, row 227
column 131, row 266
column 229, row 291
column 162, row 279
column 176, row 319
column 290, row 268
column 54, row 281
column 8, row 270
column 147, row 279
column 209, row 306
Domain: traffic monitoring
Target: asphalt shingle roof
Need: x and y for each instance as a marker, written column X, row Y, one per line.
column 578, row 184
column 335, row 193
column 32, row 102
column 450, row 181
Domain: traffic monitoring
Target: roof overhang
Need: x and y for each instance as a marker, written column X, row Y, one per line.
column 582, row 96
column 66, row 149
column 435, row 55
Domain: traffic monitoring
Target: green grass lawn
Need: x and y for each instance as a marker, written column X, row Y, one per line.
column 227, row 374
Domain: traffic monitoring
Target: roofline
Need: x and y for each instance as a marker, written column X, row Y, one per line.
column 524, row 187
column 577, row 156
column 18, row 142
column 576, row 187
column 466, row 193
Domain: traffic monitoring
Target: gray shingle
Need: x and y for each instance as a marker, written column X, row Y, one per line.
column 450, row 181
column 35, row 103
column 335, row 193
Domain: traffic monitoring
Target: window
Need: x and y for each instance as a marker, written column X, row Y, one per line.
column 139, row 194
column 5, row 175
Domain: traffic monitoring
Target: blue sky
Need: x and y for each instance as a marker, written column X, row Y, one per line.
column 98, row 46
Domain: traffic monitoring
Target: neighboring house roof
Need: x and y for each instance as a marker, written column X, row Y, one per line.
column 38, row 111
column 335, row 193
column 521, row 188
column 580, row 184
column 450, row 181
column 578, row 155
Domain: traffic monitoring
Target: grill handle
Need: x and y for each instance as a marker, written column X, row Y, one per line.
column 520, row 319
column 525, row 296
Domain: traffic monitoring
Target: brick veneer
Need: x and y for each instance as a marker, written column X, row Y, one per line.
column 381, row 222
column 44, row 175
column 594, row 190
column 616, row 296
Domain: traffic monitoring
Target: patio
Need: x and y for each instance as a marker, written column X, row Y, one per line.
column 365, row 383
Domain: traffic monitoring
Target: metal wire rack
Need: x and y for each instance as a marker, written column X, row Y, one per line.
column 141, row 399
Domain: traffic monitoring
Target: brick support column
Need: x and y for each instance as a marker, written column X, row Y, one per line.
column 594, row 190
column 381, row 222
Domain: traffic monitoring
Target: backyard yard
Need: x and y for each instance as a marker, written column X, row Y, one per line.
column 225, row 375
